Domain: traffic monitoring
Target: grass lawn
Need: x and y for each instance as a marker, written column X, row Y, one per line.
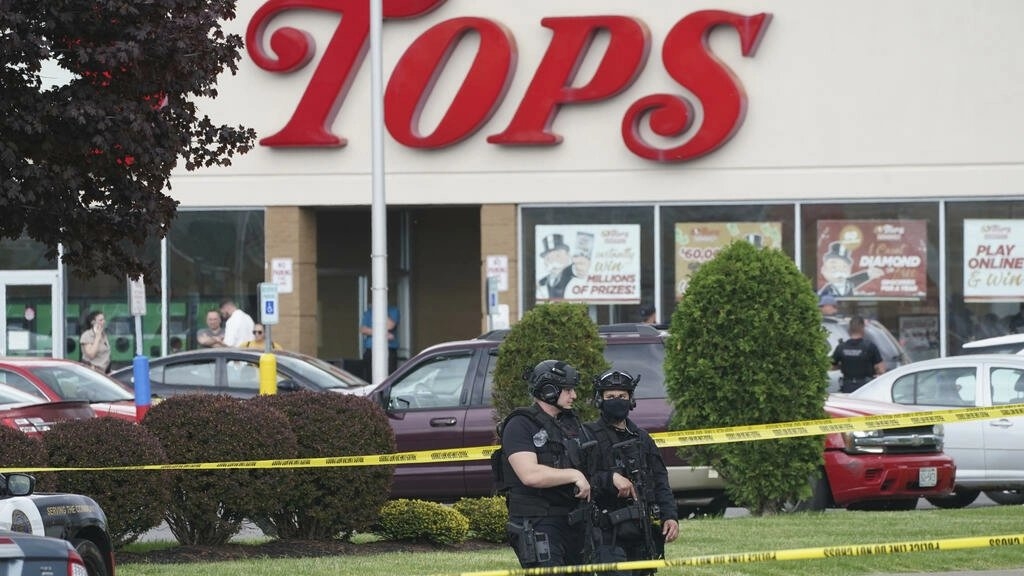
column 704, row 537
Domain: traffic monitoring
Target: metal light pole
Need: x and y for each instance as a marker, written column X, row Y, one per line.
column 378, row 211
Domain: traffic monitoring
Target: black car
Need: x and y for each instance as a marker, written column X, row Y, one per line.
column 24, row 554
column 236, row 372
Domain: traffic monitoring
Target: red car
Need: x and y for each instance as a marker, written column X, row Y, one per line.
column 25, row 412
column 57, row 380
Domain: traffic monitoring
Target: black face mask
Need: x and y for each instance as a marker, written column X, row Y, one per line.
column 616, row 409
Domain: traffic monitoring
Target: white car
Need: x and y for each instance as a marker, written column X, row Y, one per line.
column 1008, row 344
column 989, row 454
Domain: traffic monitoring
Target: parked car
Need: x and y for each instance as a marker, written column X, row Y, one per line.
column 25, row 555
column 58, row 380
column 71, row 517
column 235, row 371
column 1008, row 344
column 838, row 328
column 989, row 454
column 32, row 415
column 441, row 399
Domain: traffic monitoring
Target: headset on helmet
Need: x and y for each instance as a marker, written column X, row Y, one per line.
column 615, row 380
column 548, row 378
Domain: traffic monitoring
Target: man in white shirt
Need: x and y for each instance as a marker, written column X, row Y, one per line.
column 239, row 326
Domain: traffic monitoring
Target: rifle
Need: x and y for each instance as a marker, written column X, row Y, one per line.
column 631, row 462
column 585, row 510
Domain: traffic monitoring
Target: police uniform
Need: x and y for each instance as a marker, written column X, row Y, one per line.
column 856, row 358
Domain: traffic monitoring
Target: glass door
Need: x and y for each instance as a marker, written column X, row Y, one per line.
column 32, row 323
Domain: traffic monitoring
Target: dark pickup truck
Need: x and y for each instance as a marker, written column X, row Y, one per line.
column 72, row 517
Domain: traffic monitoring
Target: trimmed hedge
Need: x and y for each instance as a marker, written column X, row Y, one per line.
column 332, row 502
column 419, row 520
column 488, row 517
column 133, row 500
column 18, row 450
column 208, row 506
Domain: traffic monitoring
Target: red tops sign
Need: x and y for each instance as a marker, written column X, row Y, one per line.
column 686, row 57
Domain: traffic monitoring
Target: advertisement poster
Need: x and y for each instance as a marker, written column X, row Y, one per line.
column 920, row 336
column 698, row 242
column 595, row 263
column 873, row 259
column 993, row 260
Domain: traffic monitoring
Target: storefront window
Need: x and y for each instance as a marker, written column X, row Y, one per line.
column 880, row 261
column 598, row 255
column 24, row 254
column 984, row 271
column 692, row 235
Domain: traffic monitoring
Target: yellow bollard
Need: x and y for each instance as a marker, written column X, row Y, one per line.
column 268, row 374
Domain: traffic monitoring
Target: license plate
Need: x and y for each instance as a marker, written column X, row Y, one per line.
column 927, row 477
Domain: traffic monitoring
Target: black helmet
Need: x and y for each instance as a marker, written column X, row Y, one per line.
column 614, row 380
column 548, row 378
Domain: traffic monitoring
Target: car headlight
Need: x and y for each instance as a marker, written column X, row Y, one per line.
column 864, row 442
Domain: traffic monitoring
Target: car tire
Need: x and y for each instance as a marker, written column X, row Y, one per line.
column 91, row 556
column 1006, row 497
column 820, row 499
column 958, row 499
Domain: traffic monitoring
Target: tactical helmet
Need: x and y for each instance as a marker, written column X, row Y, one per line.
column 548, row 378
column 614, row 380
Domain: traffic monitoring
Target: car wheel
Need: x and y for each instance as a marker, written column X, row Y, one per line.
column 958, row 499
column 91, row 556
column 1006, row 497
column 820, row 499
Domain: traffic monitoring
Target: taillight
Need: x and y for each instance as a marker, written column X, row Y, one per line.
column 76, row 567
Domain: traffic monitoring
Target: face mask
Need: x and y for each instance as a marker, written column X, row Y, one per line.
column 615, row 409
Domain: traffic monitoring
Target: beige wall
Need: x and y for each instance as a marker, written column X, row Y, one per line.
column 498, row 238
column 291, row 233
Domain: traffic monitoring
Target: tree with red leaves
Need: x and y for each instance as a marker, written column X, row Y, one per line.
column 86, row 164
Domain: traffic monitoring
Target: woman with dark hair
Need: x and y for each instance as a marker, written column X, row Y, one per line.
column 94, row 343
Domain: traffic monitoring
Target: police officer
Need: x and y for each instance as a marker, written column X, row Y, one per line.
column 858, row 359
column 544, row 470
column 637, row 509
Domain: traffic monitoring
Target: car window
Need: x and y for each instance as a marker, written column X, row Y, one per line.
column 15, row 380
column 198, row 373
column 244, row 375
column 437, row 383
column 954, row 387
column 76, row 382
column 1007, row 386
column 10, row 395
column 646, row 360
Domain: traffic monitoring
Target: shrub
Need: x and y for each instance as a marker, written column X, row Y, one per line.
column 327, row 503
column 556, row 331
column 133, row 500
column 746, row 346
column 419, row 520
column 19, row 450
column 487, row 517
column 208, row 506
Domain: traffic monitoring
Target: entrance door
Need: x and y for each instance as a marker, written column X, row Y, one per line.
column 32, row 318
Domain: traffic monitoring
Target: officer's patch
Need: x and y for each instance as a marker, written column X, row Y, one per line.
column 540, row 438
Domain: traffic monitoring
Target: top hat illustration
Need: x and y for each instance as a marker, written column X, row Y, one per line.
column 837, row 250
column 552, row 242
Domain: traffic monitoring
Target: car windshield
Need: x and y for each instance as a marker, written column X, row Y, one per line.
column 643, row 360
column 74, row 382
column 324, row 375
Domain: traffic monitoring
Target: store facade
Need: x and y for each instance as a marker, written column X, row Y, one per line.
column 599, row 151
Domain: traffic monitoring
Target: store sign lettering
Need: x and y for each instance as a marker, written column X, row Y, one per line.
column 686, row 58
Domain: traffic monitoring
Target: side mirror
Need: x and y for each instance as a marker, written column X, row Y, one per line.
column 20, row 484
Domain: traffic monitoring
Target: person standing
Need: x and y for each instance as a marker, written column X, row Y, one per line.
column 94, row 343
column 213, row 335
column 366, row 329
column 259, row 341
column 636, row 508
column 858, row 359
column 239, row 325
column 542, row 470
column 828, row 305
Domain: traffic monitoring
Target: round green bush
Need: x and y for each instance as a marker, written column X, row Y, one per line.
column 207, row 507
column 331, row 502
column 746, row 346
column 133, row 500
column 19, row 450
column 487, row 517
column 555, row 331
column 419, row 520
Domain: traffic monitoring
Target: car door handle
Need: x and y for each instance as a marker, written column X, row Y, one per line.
column 446, row 421
column 1001, row 423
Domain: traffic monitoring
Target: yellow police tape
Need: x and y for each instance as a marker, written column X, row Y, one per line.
column 662, row 439
column 772, row 555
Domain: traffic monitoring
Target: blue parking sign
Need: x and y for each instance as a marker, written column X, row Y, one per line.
column 268, row 303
